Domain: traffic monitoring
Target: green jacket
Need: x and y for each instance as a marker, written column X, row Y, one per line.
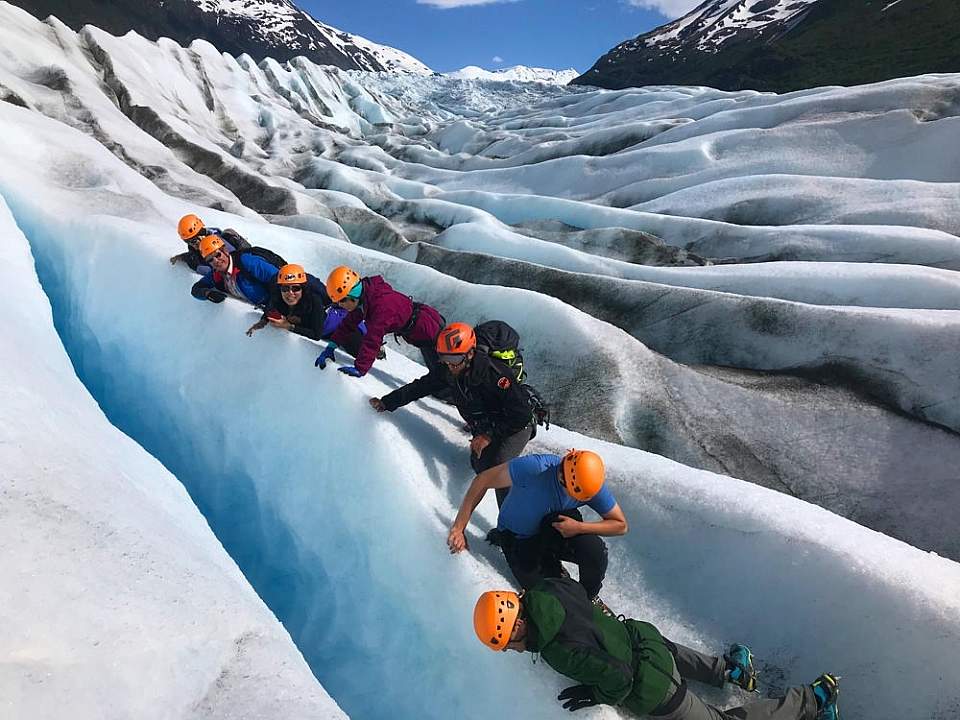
column 627, row 663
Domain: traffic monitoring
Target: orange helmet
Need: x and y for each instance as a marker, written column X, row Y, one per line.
column 494, row 617
column 209, row 245
column 582, row 475
column 189, row 226
column 340, row 282
column 456, row 339
column 291, row 275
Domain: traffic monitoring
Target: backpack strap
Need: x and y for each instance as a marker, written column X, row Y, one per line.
column 539, row 408
column 411, row 323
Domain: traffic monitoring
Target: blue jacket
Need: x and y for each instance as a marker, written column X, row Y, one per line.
column 254, row 277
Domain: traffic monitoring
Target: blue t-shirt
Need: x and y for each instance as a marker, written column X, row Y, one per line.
column 537, row 492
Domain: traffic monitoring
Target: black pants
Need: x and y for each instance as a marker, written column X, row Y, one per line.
column 532, row 559
column 501, row 450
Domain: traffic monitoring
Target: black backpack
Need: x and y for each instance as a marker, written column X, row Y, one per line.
column 500, row 341
column 319, row 288
column 269, row 255
column 234, row 238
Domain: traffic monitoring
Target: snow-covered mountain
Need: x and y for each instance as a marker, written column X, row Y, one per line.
column 787, row 44
column 709, row 26
column 260, row 28
column 519, row 73
column 748, row 303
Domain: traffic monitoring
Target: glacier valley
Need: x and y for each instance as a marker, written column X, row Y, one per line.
column 748, row 303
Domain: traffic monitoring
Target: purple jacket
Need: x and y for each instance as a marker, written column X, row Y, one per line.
column 386, row 311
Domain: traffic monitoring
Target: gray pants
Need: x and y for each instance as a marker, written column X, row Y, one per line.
column 501, row 450
column 799, row 703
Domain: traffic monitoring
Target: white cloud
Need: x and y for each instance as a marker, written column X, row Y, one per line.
column 448, row 4
column 497, row 59
column 669, row 8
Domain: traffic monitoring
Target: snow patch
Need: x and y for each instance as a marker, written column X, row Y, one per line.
column 518, row 73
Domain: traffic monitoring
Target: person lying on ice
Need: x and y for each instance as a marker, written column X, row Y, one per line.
column 295, row 305
column 192, row 230
column 371, row 299
column 242, row 274
column 539, row 524
column 486, row 393
column 628, row 663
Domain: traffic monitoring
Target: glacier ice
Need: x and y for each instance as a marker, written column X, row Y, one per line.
column 337, row 517
column 118, row 601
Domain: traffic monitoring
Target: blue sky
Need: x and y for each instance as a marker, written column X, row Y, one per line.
column 499, row 33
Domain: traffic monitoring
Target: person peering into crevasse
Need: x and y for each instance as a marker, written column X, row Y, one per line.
column 241, row 274
column 628, row 663
column 486, row 392
column 303, row 308
column 539, row 525
column 384, row 310
column 192, row 230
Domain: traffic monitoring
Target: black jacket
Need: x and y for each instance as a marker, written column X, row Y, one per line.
column 192, row 258
column 487, row 394
column 307, row 316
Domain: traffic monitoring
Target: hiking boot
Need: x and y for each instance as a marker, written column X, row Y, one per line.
column 603, row 607
column 826, row 688
column 740, row 667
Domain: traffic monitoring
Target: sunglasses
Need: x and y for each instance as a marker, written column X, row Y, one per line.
column 291, row 288
column 452, row 359
column 213, row 256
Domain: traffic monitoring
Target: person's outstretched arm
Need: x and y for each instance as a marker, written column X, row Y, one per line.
column 495, row 477
column 412, row 391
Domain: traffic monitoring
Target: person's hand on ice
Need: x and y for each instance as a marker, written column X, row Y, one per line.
column 457, row 541
column 351, row 371
column 327, row 354
column 577, row 697
column 258, row 325
column 377, row 404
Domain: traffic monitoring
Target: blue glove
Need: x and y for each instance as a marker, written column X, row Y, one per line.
column 327, row 354
column 351, row 371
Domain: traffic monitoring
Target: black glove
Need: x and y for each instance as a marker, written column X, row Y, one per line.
column 216, row 296
column 577, row 697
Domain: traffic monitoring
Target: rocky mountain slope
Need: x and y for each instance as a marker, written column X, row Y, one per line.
column 260, row 28
column 784, row 45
